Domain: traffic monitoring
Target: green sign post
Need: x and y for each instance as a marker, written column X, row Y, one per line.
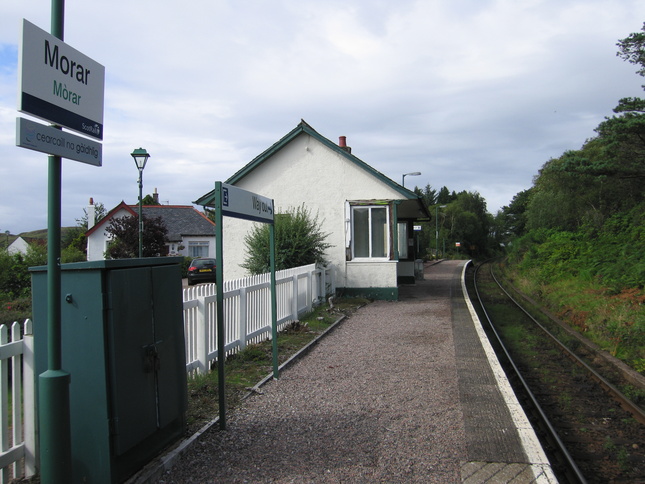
column 231, row 201
column 55, row 433
column 67, row 89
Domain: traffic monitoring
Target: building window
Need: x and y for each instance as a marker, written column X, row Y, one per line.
column 370, row 232
column 197, row 249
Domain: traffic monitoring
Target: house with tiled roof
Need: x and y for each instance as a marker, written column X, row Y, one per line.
column 190, row 232
column 368, row 216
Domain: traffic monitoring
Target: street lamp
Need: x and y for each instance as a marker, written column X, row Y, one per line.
column 414, row 173
column 140, row 159
column 436, row 222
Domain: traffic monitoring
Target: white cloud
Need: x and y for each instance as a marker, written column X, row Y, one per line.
column 475, row 94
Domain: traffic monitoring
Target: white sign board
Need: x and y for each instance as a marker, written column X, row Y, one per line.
column 240, row 203
column 59, row 84
column 38, row 137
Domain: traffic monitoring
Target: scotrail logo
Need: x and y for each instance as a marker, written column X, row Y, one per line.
column 95, row 130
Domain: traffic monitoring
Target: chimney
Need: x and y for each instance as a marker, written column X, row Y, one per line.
column 155, row 197
column 342, row 142
column 91, row 214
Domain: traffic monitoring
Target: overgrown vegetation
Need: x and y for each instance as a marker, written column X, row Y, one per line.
column 248, row 367
column 577, row 237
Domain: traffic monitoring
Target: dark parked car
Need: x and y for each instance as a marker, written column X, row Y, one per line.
column 201, row 270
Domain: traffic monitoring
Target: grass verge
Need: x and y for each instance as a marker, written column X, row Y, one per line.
column 615, row 322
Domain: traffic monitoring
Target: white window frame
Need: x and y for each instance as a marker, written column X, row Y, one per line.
column 200, row 244
column 387, row 232
column 404, row 246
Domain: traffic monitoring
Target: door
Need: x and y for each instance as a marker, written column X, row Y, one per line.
column 131, row 341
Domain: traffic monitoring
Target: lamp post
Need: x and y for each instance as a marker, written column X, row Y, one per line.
column 436, row 222
column 140, row 156
column 414, row 173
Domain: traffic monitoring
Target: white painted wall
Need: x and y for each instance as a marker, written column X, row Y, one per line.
column 306, row 171
column 18, row 246
column 97, row 241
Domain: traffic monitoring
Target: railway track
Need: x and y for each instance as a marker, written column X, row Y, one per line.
column 590, row 429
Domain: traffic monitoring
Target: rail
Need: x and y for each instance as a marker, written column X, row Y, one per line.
column 547, row 425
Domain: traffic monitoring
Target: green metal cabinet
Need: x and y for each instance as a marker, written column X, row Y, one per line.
column 123, row 346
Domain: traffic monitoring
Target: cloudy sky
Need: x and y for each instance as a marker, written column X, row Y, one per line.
column 475, row 94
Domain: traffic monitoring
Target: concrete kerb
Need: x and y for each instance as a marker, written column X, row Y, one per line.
column 155, row 469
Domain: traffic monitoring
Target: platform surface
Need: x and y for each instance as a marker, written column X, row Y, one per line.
column 405, row 391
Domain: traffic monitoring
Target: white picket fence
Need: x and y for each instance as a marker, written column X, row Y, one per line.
column 247, row 313
column 17, row 409
column 247, row 310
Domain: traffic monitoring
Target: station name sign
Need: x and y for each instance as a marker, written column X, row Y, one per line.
column 59, row 84
column 243, row 204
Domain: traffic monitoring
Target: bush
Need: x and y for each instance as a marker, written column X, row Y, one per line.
column 611, row 253
column 14, row 310
column 72, row 254
column 15, row 280
column 184, row 267
column 298, row 242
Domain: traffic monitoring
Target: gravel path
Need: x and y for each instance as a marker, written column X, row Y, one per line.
column 375, row 401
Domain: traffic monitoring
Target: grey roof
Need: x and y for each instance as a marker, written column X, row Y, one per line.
column 181, row 221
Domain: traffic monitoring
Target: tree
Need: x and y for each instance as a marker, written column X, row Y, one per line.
column 605, row 176
column 125, row 237
column 99, row 213
column 428, row 195
column 584, row 214
column 15, row 280
column 468, row 222
column 512, row 217
column 149, row 200
column 625, row 134
column 75, row 243
column 632, row 49
column 298, row 242
column 210, row 214
column 445, row 196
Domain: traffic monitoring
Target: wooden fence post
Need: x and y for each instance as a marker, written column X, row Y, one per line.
column 29, row 399
column 242, row 316
column 201, row 338
column 294, row 296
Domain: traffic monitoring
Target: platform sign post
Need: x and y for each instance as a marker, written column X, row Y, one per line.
column 231, row 201
column 63, row 86
column 54, row 406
